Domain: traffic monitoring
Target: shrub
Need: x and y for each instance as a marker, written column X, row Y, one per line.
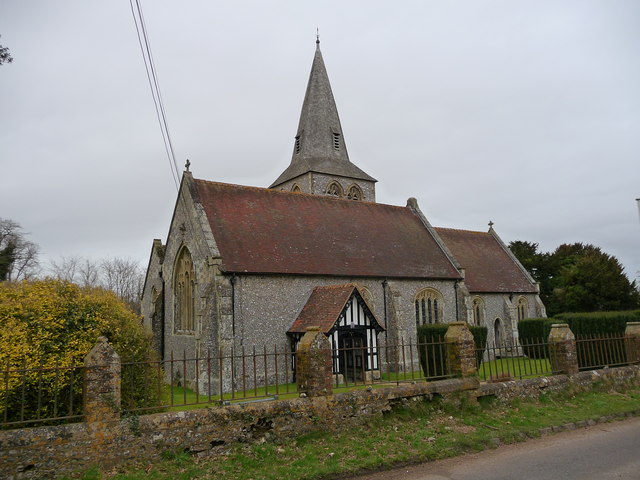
column 533, row 332
column 599, row 324
column 433, row 351
column 53, row 324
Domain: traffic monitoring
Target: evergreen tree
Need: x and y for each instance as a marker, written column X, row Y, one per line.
column 578, row 278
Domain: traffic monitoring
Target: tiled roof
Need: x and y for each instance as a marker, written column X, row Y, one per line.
column 323, row 308
column 488, row 268
column 259, row 230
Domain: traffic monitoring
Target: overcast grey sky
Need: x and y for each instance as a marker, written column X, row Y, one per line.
column 526, row 113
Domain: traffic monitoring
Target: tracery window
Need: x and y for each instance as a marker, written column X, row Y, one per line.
column 184, row 293
column 478, row 311
column 334, row 189
column 429, row 307
column 354, row 193
column 523, row 308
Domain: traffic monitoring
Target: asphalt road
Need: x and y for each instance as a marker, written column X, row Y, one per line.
column 601, row 452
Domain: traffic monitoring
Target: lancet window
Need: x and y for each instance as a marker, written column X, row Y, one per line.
column 184, row 293
column 523, row 308
column 478, row 311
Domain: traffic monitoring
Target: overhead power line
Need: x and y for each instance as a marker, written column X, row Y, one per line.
column 154, row 85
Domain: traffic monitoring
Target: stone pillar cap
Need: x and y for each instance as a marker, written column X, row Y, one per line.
column 633, row 323
column 457, row 323
column 560, row 325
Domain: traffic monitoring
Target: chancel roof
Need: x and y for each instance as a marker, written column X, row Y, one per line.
column 488, row 267
column 259, row 230
column 324, row 307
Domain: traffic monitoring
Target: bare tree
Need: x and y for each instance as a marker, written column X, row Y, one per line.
column 89, row 273
column 124, row 277
column 18, row 256
column 65, row 269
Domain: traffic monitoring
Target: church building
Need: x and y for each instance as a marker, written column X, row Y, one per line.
column 245, row 266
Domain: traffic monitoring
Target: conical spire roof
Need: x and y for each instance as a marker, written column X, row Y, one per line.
column 319, row 144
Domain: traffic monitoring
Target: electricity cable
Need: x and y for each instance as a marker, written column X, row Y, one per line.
column 155, row 92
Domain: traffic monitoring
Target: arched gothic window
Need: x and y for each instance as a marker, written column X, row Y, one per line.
column 523, row 308
column 429, row 306
column 296, row 188
column 354, row 193
column 366, row 294
column 335, row 190
column 478, row 311
column 497, row 333
column 184, row 293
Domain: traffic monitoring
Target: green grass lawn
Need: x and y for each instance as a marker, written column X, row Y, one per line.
column 421, row 432
column 517, row 367
column 178, row 398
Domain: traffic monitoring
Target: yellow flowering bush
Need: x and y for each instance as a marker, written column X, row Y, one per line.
column 51, row 325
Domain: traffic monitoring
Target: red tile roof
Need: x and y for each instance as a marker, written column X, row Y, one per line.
column 323, row 308
column 259, row 230
column 488, row 268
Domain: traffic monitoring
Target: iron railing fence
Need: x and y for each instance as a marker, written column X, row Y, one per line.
column 37, row 396
column 597, row 351
column 258, row 374
column 44, row 395
column 501, row 362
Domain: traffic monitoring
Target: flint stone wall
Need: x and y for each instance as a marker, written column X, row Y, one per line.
column 45, row 452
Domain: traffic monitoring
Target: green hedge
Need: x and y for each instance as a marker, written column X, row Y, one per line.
column 594, row 324
column 532, row 333
column 607, row 352
column 597, row 323
column 433, row 358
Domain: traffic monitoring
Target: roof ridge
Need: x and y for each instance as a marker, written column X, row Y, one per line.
column 461, row 230
column 298, row 194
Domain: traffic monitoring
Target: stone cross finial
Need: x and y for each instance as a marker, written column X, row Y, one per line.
column 187, row 165
column 490, row 224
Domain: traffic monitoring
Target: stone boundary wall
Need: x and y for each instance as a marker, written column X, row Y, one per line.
column 47, row 452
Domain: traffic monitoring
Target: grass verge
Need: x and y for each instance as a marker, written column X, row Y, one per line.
column 420, row 431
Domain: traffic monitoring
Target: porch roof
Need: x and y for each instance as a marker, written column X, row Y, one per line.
column 324, row 307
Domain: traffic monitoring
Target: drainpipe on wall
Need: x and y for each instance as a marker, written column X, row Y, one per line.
column 162, row 319
column 233, row 305
column 384, row 301
column 455, row 288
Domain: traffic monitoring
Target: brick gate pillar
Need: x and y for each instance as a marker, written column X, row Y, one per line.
column 632, row 342
column 461, row 350
column 102, row 384
column 562, row 349
column 314, row 364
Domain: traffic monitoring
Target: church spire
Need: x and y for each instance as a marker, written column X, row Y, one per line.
column 319, row 144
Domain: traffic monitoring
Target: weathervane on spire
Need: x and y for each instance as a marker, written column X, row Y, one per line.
column 317, row 36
